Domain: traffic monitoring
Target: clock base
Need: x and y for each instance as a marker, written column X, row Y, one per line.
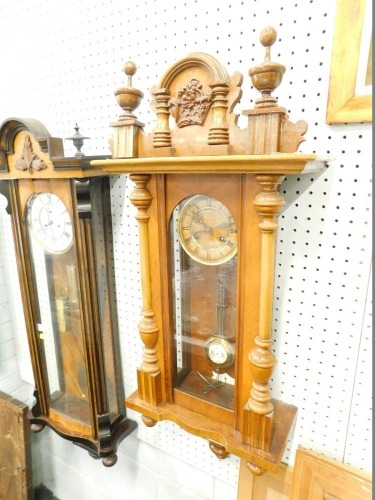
column 222, row 434
column 103, row 448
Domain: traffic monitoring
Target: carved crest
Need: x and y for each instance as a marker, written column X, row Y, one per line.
column 191, row 105
column 29, row 160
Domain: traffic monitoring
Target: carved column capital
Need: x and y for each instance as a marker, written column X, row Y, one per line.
column 269, row 201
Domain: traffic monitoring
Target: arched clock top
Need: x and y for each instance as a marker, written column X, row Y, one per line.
column 27, row 150
column 194, row 104
column 9, row 130
column 214, row 68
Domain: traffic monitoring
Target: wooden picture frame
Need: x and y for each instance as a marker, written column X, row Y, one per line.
column 344, row 104
column 319, row 478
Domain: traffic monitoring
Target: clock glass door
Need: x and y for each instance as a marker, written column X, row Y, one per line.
column 203, row 252
column 50, row 234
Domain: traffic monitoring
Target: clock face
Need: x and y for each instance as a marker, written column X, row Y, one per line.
column 50, row 222
column 207, row 230
column 219, row 352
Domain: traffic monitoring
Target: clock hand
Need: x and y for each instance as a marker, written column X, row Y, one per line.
column 208, row 229
column 223, row 225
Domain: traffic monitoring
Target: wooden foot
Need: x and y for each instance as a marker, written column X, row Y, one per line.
column 255, row 469
column 110, row 460
column 36, row 427
column 149, row 422
column 218, row 450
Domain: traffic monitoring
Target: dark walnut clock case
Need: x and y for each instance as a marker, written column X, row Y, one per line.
column 60, row 209
column 197, row 148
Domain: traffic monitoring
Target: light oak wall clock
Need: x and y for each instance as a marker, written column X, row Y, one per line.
column 62, row 228
column 207, row 201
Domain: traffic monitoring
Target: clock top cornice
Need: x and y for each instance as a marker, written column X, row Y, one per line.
column 196, row 128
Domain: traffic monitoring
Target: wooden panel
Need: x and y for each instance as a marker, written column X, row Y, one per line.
column 318, row 478
column 344, row 105
column 270, row 486
column 15, row 450
column 314, row 478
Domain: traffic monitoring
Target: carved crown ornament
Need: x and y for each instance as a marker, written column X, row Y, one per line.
column 191, row 106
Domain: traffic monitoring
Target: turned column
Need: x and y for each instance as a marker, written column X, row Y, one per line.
column 149, row 383
column 219, row 133
column 162, row 132
column 259, row 408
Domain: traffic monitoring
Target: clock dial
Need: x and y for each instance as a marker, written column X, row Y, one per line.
column 207, row 230
column 219, row 352
column 203, row 250
column 50, row 222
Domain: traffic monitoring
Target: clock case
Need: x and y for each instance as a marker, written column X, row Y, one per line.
column 196, row 148
column 86, row 405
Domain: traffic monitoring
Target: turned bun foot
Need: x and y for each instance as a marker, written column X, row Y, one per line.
column 110, row 460
column 218, row 450
column 36, row 427
column 255, row 469
column 149, row 422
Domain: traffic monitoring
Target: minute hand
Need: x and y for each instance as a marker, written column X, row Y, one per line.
column 223, row 225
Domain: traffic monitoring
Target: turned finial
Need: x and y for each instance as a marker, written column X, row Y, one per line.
column 128, row 97
column 267, row 39
column 130, row 69
column 78, row 140
column 267, row 76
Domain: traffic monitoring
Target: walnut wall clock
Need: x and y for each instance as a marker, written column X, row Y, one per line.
column 61, row 219
column 207, row 201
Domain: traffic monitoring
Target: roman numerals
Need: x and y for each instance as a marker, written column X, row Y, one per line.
column 207, row 231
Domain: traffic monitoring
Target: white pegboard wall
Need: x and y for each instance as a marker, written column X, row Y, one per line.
column 8, row 259
column 65, row 68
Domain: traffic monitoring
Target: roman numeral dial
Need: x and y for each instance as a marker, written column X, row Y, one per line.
column 207, row 230
column 50, row 222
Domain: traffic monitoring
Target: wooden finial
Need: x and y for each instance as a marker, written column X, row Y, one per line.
column 267, row 76
column 128, row 97
column 130, row 69
column 267, row 39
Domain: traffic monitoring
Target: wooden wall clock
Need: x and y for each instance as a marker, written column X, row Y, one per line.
column 62, row 227
column 208, row 201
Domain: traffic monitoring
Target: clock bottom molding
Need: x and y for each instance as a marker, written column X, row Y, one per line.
column 104, row 448
column 223, row 437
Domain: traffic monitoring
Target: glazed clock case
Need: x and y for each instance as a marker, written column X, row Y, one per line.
column 61, row 217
